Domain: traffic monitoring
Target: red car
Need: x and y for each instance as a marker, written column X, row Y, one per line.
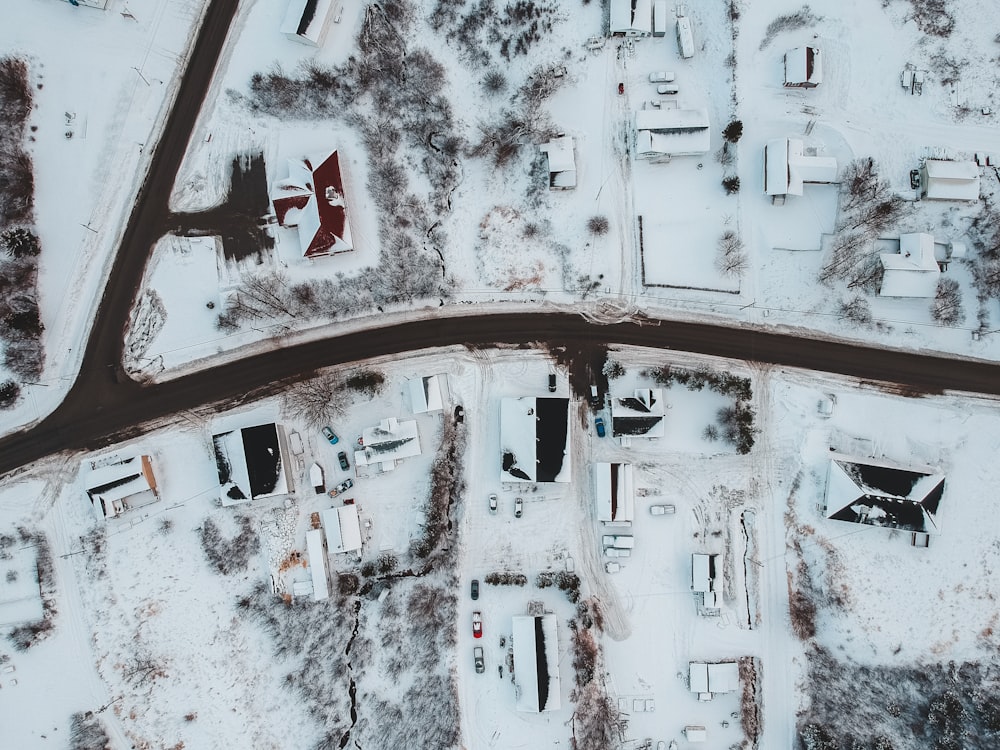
column 621, row 89
column 477, row 625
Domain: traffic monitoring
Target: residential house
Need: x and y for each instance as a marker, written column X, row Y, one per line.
column 118, row 485
column 913, row 271
column 312, row 199
column 788, row 167
column 949, row 180
column 639, row 415
column 803, row 68
column 562, row 162
column 662, row 133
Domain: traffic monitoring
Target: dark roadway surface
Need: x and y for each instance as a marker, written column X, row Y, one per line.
column 99, row 410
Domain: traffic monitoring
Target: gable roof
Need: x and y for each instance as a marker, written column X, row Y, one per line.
column 615, row 493
column 342, row 528
column 677, row 132
column 635, row 16
column 536, row 662
column 534, row 439
column 250, row 463
column 951, row 180
column 117, row 486
column 787, row 167
column 425, row 394
column 878, row 494
column 562, row 162
column 312, row 199
column 304, row 20
column 803, row 67
column 639, row 415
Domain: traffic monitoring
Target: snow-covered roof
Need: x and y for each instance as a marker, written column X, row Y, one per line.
column 536, row 662
column 787, row 167
column 120, row 485
column 342, row 527
column 305, row 19
column 639, row 415
column 631, row 17
column 721, row 677
column 251, row 463
column 20, row 596
column 615, row 493
column 913, row 271
column 562, row 162
column 312, row 199
column 317, row 564
column 671, row 132
column 704, row 569
column 425, row 394
column 950, row 180
column 879, row 494
column 534, row 439
column 803, row 67
column 387, row 443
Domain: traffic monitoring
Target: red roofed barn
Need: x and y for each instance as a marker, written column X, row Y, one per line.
column 312, row 199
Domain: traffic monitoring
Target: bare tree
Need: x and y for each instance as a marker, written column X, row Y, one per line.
column 947, row 306
column 732, row 259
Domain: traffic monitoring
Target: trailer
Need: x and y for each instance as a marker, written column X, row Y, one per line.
column 685, row 38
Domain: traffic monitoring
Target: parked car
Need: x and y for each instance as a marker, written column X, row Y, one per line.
column 595, row 397
column 475, row 589
column 518, row 507
column 552, row 382
column 459, row 414
column 599, row 426
column 661, row 510
column 342, row 487
column 667, row 89
column 621, row 89
column 493, row 504
column 615, row 552
column 914, row 178
column 615, row 540
column 661, row 76
column 477, row 625
column 331, row 436
column 612, row 567
column 477, row 655
column 344, row 463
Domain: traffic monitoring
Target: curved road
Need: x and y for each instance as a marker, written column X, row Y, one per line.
column 103, row 406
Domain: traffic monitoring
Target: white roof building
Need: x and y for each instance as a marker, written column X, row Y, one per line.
column 317, row 564
column 305, row 20
column 787, row 167
column 632, row 18
column 534, row 439
column 639, row 415
column 710, row 679
column 390, row 441
column 536, row 663
column 20, row 595
column 121, row 485
column 425, row 394
column 251, row 463
column 913, row 271
column 949, row 180
column 614, row 490
column 342, row 527
column 705, row 570
column 671, row 132
column 803, row 68
column 880, row 494
column 562, row 162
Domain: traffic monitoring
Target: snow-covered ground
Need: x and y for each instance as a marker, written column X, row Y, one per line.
column 148, row 625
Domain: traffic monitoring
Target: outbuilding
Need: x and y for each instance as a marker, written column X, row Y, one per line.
column 803, row 68
column 949, row 180
column 305, row 21
column 662, row 133
column 534, row 439
column 631, row 18
column 536, row 663
column 317, row 564
column 343, row 528
column 614, row 490
column 562, row 162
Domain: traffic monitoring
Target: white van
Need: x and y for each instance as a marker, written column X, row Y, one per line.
column 685, row 39
column 620, row 542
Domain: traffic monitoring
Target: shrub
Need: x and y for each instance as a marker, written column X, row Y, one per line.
column 789, row 22
column 733, row 131
column 613, row 369
column 86, row 732
column 10, row 391
column 731, row 183
column 368, row 382
column 598, row 225
column 947, row 306
column 506, row 579
column 19, row 242
column 494, row 82
column 228, row 556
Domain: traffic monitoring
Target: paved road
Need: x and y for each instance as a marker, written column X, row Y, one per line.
column 99, row 409
column 105, row 411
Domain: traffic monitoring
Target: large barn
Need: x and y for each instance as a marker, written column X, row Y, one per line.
column 536, row 663
column 251, row 463
column 614, row 490
column 534, row 439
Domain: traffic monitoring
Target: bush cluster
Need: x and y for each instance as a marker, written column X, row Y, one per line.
column 567, row 582
column 86, row 732
column 27, row 635
column 506, row 579
column 228, row 556
column 723, row 383
column 447, row 488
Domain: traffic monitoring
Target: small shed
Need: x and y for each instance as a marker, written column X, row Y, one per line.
column 949, row 180
column 803, row 68
column 659, row 17
column 562, row 162
column 704, row 571
column 425, row 394
column 343, row 529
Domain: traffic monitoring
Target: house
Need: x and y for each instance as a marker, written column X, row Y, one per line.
column 913, row 271
column 562, row 162
column 251, row 463
column 614, row 490
column 536, row 663
column 317, row 565
column 708, row 680
column 387, row 443
column 121, row 484
column 312, row 199
column 949, row 180
column 425, row 394
column 534, row 439
column 639, row 415
column 685, row 38
column 705, row 570
column 343, row 528
column 20, row 593
column 803, row 68
column 305, row 20
column 631, row 18
column 787, row 167
column 662, row 133
column 879, row 494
